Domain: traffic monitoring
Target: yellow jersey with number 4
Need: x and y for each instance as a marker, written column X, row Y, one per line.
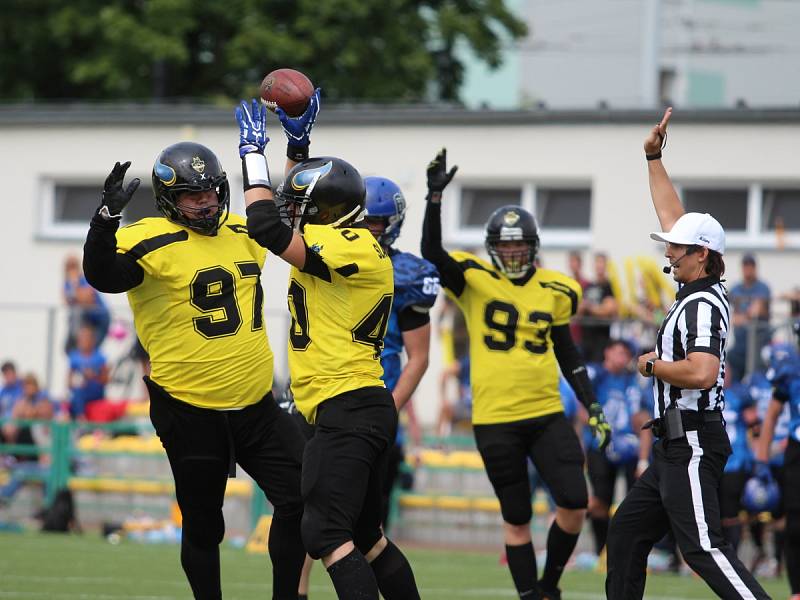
column 513, row 369
column 338, row 321
column 199, row 311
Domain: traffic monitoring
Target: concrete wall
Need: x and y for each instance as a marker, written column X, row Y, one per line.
column 606, row 153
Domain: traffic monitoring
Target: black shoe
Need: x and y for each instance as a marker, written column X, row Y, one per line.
column 545, row 594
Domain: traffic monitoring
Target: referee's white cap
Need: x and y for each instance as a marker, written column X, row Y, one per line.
column 694, row 229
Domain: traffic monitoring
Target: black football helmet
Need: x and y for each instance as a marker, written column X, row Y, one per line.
column 322, row 191
column 512, row 224
column 191, row 167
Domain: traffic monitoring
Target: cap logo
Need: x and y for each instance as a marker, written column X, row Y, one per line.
column 198, row 164
column 305, row 178
column 511, row 218
column 166, row 174
column 703, row 238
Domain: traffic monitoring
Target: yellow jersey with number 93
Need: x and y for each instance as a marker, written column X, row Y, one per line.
column 199, row 311
column 338, row 321
column 513, row 369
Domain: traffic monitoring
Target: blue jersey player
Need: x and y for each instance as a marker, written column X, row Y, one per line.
column 416, row 285
column 740, row 415
column 784, row 374
column 619, row 392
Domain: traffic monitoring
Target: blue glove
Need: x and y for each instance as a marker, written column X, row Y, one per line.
column 763, row 472
column 298, row 129
column 252, row 128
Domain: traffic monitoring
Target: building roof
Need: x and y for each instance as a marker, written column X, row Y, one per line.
column 127, row 114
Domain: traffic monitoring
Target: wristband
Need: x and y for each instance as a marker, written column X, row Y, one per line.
column 255, row 172
column 655, row 156
column 296, row 153
column 434, row 197
column 642, row 465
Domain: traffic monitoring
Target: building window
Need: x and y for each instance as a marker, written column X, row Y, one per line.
column 68, row 207
column 563, row 211
column 780, row 207
column 758, row 215
column 729, row 206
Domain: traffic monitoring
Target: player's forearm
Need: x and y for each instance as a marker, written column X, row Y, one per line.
column 665, row 199
column 104, row 268
column 767, row 431
column 450, row 272
column 572, row 365
column 409, row 379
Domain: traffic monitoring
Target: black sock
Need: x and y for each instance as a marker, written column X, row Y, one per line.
column 352, row 578
column 600, row 530
column 522, row 564
column 394, row 574
column 757, row 534
column 779, row 539
column 287, row 555
column 201, row 565
column 792, row 550
column 733, row 533
column 560, row 545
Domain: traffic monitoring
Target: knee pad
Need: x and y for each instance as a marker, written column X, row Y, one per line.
column 515, row 503
column 366, row 540
column 203, row 528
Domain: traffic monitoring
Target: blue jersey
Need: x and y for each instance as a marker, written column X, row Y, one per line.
column 416, row 284
column 737, row 400
column 760, row 388
column 568, row 398
column 785, row 379
column 621, row 397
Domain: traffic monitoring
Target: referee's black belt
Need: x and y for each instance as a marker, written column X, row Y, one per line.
column 692, row 421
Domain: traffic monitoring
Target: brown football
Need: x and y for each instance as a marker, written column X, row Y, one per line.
column 287, row 88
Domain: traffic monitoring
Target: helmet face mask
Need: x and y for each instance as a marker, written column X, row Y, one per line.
column 184, row 168
column 321, row 191
column 512, row 240
column 385, row 202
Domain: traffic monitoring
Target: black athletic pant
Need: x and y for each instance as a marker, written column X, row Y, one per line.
column 679, row 490
column 267, row 443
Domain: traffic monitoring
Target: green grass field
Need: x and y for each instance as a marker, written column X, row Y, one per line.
column 39, row 566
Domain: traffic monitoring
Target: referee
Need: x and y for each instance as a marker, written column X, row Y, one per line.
column 679, row 491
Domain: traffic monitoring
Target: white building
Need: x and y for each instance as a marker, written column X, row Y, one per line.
column 582, row 172
column 637, row 53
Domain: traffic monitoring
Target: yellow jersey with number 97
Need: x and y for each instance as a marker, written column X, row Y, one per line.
column 513, row 369
column 338, row 321
column 199, row 311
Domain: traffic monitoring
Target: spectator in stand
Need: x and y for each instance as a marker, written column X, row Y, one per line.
column 575, row 263
column 34, row 404
column 85, row 305
column 750, row 304
column 88, row 373
column 596, row 311
column 11, row 390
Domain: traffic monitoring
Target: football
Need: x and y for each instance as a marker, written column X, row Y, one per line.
column 288, row 89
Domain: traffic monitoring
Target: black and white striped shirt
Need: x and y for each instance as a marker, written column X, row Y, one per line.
column 698, row 321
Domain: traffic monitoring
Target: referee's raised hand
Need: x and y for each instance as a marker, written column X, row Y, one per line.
column 655, row 141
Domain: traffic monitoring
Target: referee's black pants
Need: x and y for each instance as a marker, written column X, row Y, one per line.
column 679, row 491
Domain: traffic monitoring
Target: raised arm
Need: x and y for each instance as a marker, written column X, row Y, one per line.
column 104, row 268
column 431, row 245
column 665, row 199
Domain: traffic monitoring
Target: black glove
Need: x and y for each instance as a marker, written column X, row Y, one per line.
column 115, row 198
column 601, row 430
column 439, row 176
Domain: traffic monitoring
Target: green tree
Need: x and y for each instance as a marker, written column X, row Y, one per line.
column 360, row 50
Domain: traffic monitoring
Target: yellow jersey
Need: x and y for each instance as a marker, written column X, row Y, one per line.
column 199, row 311
column 338, row 322
column 513, row 369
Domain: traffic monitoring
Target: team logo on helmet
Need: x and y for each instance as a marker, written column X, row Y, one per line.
column 305, row 178
column 166, row 174
column 198, row 164
column 511, row 218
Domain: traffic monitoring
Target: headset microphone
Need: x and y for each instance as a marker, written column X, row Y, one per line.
column 672, row 265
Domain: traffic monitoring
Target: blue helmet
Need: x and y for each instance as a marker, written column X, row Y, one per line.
column 385, row 200
column 760, row 495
